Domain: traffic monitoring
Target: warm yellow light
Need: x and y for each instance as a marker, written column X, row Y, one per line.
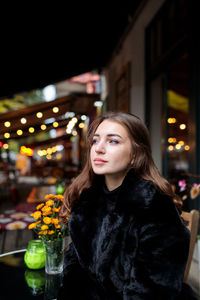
column 170, row 140
column 31, row 129
column 81, row 125
column 23, row 120
column 40, row 153
column 7, row 135
column 178, row 146
column 49, row 156
column 181, row 143
column 49, row 150
column 7, row 124
column 187, row 147
column 171, row 120
column 26, row 151
column 74, row 120
column 55, row 124
column 70, row 125
column 182, row 126
column 55, row 109
column 39, row 115
column 44, row 152
column 54, row 149
column 19, row 132
column 5, row 146
column 74, row 132
column 68, row 130
column 43, row 126
column 58, row 156
column 170, row 147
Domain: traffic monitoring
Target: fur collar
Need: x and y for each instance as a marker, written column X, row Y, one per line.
column 135, row 193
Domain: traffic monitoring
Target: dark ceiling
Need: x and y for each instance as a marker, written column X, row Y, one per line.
column 44, row 45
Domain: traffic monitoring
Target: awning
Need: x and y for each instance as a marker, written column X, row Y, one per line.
column 78, row 103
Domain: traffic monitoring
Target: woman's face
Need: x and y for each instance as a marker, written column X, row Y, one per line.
column 111, row 150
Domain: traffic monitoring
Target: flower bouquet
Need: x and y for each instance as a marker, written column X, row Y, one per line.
column 48, row 228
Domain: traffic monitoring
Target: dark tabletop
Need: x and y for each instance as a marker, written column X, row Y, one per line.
column 19, row 282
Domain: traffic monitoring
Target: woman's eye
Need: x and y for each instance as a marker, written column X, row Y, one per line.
column 94, row 142
column 114, row 142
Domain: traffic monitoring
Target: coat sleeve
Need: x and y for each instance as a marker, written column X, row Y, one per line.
column 162, row 249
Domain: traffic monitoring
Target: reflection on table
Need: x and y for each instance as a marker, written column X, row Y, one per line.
column 19, row 282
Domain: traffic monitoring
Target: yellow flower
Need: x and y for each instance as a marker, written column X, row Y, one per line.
column 47, row 220
column 49, row 196
column 46, row 208
column 50, row 203
column 39, row 206
column 57, row 226
column 55, row 221
column 32, row 225
column 44, row 232
column 44, row 227
column 56, row 209
column 60, row 197
column 47, row 213
column 51, row 232
column 36, row 215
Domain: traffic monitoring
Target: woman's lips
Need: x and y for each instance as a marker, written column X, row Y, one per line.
column 99, row 161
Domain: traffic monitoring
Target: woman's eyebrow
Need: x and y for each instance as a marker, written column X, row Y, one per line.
column 109, row 135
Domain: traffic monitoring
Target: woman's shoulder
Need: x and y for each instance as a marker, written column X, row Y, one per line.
column 141, row 195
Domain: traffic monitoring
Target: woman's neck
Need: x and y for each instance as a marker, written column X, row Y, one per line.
column 114, row 181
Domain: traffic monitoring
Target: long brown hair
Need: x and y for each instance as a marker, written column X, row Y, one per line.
column 143, row 163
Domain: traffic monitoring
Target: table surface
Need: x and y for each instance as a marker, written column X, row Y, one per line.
column 19, row 282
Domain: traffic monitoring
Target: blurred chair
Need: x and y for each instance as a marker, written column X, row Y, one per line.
column 191, row 220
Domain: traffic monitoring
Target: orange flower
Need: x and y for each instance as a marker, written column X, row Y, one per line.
column 44, row 232
column 32, row 225
column 36, row 215
column 39, row 206
column 57, row 226
column 56, row 209
column 50, row 203
column 47, row 224
column 46, row 208
column 60, row 197
column 44, row 227
column 47, row 220
column 55, row 221
column 51, row 232
column 47, row 213
column 49, row 196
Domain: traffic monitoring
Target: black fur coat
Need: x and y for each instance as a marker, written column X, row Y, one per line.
column 134, row 248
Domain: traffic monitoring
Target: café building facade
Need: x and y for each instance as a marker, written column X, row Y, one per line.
column 154, row 74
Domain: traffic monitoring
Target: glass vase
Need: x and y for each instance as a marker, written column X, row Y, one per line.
column 54, row 256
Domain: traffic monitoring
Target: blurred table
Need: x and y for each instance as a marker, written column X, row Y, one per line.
column 19, row 282
column 15, row 219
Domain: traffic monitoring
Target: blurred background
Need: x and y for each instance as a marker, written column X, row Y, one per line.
column 61, row 67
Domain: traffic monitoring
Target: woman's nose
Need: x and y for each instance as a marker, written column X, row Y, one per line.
column 100, row 147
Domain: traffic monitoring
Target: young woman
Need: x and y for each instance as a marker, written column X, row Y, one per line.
column 128, row 239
